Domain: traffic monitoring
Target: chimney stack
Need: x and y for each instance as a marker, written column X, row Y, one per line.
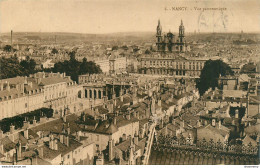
column 219, row 123
column 55, row 144
column 67, row 140
column 26, row 133
column 136, row 139
column 110, row 145
column 114, row 120
column 1, row 134
column 12, row 129
column 213, row 122
column 198, row 123
column 34, row 121
column 19, row 151
column 68, row 129
column 128, row 117
column 236, row 113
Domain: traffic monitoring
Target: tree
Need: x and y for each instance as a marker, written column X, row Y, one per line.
column 115, row 48
column 54, row 51
column 147, row 52
column 28, row 65
column 74, row 68
column 7, row 48
column 210, row 74
column 10, row 67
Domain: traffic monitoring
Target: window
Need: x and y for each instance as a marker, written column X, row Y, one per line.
column 68, row 156
column 97, row 137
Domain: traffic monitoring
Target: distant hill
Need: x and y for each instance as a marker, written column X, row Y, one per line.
column 124, row 36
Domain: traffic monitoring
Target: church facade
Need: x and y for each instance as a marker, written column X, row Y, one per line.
column 167, row 42
column 169, row 59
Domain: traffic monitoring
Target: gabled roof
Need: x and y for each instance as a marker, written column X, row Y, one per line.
column 7, row 144
column 248, row 140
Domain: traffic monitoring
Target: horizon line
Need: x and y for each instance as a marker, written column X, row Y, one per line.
column 192, row 32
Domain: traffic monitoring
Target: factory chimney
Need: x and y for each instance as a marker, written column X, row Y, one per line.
column 11, row 40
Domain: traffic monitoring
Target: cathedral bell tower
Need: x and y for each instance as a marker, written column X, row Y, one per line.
column 159, row 36
column 181, row 38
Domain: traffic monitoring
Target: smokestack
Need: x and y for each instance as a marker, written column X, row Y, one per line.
column 11, row 40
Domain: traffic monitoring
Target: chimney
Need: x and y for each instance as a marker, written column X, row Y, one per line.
column 61, row 138
column 1, row 148
column 110, row 145
column 173, row 121
column 137, row 115
column 236, row 113
column 51, row 142
column 26, row 133
column 12, row 129
column 25, row 123
column 95, row 117
column 198, row 123
column 114, row 120
column 8, row 87
column 124, row 137
column 114, row 100
column 34, row 121
column 67, row 140
column 136, row 139
column 64, row 118
column 128, row 117
column 68, row 129
column 213, row 122
column 160, row 102
column 134, row 114
column 219, row 124
column 1, row 134
column 19, row 151
column 1, row 86
column 55, row 144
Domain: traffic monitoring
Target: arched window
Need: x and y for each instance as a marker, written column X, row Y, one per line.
column 79, row 94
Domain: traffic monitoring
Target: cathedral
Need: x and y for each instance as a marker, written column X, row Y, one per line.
column 167, row 43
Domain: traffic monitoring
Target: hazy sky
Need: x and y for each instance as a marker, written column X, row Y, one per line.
column 107, row 16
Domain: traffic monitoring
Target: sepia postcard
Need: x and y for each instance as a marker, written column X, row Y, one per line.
column 129, row 82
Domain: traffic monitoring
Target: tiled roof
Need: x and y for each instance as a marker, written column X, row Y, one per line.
column 15, row 80
column 54, row 80
column 57, row 125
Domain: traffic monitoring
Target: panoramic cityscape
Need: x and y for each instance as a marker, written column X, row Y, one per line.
column 163, row 97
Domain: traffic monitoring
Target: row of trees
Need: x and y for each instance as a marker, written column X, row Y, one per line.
column 11, row 67
column 18, row 121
